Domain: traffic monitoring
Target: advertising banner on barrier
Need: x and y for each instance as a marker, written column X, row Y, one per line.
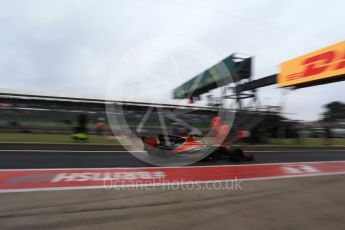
column 320, row 65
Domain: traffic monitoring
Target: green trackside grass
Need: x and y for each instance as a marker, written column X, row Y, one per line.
column 53, row 138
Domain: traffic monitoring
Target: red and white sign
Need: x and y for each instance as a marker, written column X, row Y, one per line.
column 56, row 179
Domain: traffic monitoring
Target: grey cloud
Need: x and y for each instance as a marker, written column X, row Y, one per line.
column 69, row 46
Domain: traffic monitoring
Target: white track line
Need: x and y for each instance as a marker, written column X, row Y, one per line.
column 76, row 151
column 125, row 151
column 284, row 151
column 172, row 167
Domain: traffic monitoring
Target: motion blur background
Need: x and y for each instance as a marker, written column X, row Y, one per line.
column 54, row 120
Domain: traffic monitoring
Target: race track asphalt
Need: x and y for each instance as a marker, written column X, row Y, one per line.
column 295, row 203
column 21, row 159
column 291, row 203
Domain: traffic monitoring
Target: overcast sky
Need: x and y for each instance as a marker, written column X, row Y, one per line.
column 70, row 47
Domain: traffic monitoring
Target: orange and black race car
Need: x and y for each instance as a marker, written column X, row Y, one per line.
column 189, row 144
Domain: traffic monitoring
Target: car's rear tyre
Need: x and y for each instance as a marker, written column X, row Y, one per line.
column 249, row 157
column 236, row 154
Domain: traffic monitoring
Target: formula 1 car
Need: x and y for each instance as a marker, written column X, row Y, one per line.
column 184, row 145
